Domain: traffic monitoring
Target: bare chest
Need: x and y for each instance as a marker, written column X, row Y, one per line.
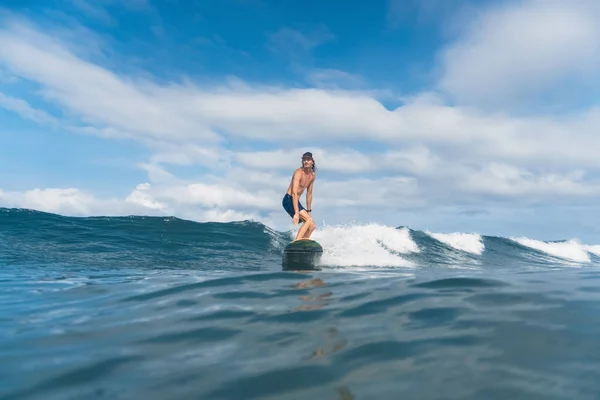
column 305, row 181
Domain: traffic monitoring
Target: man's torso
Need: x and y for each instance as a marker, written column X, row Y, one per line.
column 305, row 180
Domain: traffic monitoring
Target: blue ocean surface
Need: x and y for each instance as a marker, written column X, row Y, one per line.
column 164, row 308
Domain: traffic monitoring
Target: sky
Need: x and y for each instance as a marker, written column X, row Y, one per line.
column 441, row 115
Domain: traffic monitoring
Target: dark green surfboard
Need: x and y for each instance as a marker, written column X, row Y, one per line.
column 302, row 255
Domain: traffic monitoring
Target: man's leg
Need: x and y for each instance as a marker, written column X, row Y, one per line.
column 308, row 226
column 300, row 233
column 311, row 227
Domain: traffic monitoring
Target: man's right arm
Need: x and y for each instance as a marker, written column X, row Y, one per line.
column 295, row 187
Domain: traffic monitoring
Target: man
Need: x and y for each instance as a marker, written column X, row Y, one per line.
column 303, row 178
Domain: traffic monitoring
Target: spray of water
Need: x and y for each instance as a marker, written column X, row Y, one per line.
column 365, row 245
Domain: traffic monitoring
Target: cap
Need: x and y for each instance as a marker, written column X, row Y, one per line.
column 308, row 154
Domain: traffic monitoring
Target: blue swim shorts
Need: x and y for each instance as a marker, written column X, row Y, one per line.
column 288, row 205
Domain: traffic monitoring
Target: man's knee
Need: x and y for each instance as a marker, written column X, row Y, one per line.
column 309, row 221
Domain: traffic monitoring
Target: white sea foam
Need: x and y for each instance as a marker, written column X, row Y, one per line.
column 568, row 250
column 369, row 245
column 365, row 245
column 468, row 242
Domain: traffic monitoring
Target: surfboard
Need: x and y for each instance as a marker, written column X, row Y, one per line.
column 302, row 255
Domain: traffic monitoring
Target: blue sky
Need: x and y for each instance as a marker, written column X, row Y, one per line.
column 452, row 116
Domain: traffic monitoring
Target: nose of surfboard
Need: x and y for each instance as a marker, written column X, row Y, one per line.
column 302, row 255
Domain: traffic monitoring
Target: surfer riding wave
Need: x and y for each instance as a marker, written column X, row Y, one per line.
column 302, row 179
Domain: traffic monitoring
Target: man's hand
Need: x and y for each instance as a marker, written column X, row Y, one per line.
column 296, row 218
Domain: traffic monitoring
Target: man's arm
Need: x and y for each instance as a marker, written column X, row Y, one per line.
column 295, row 186
column 309, row 191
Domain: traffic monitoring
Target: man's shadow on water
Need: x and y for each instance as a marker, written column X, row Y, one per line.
column 333, row 340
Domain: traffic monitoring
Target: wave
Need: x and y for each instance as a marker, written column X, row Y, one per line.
column 468, row 242
column 571, row 250
column 29, row 236
column 365, row 245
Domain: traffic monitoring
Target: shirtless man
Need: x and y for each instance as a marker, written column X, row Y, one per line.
column 303, row 178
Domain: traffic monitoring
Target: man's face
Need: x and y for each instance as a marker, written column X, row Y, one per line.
column 307, row 162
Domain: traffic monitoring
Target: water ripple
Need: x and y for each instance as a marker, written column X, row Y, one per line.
column 276, row 335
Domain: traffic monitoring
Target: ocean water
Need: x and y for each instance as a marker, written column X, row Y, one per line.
column 163, row 308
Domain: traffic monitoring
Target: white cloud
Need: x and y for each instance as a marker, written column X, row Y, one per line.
column 97, row 95
column 157, row 173
column 181, row 121
column 244, row 193
column 25, row 110
column 335, row 79
column 69, row 201
column 141, row 201
column 185, row 153
column 292, row 41
column 418, row 160
column 94, row 10
column 221, row 195
column 141, row 196
column 335, row 160
column 6, row 77
column 215, row 215
column 514, row 51
column 512, row 182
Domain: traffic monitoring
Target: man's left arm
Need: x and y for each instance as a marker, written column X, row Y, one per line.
column 309, row 191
